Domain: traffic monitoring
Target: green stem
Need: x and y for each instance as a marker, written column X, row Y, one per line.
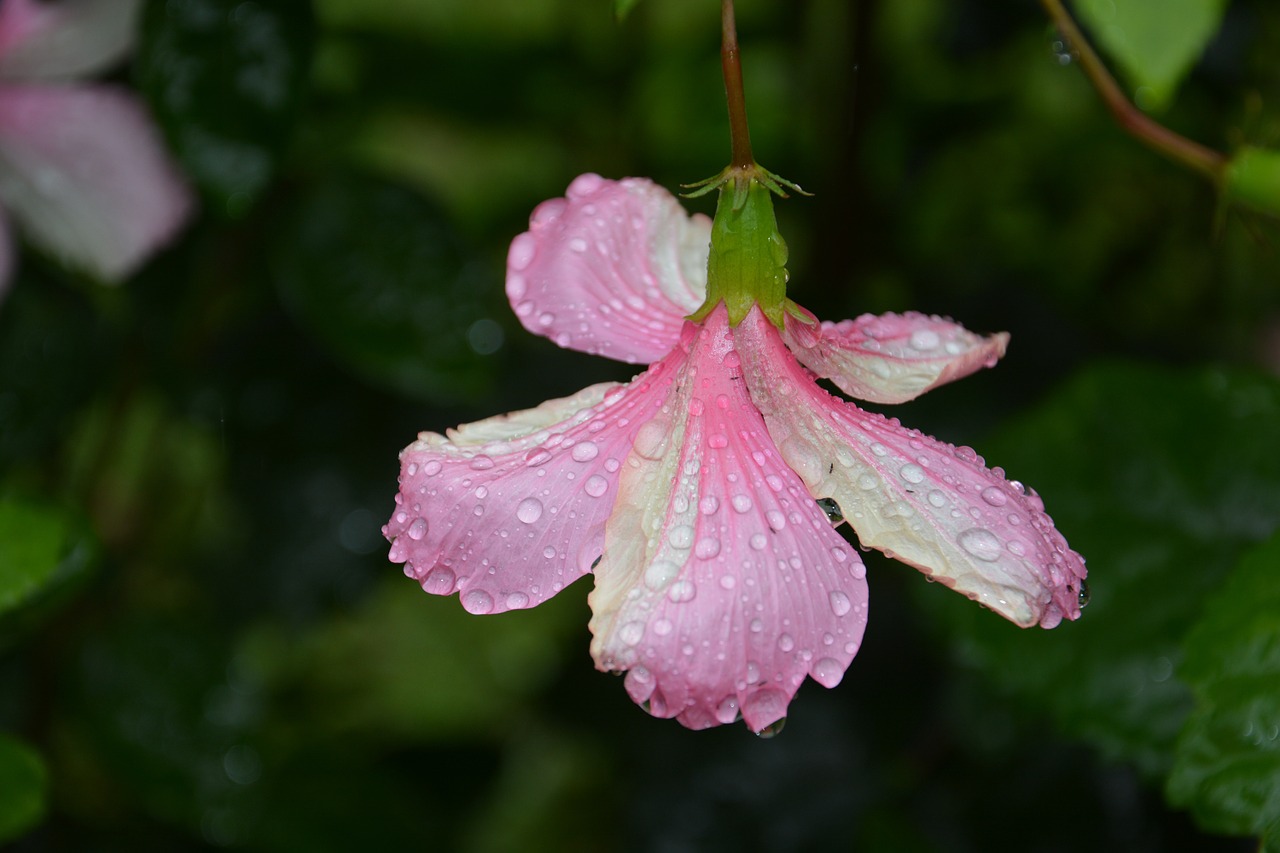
column 731, row 63
column 1132, row 120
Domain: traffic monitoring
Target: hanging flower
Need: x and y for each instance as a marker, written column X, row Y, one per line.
column 82, row 169
column 702, row 494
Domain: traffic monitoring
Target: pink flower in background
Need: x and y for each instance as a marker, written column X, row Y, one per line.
column 702, row 494
column 82, row 170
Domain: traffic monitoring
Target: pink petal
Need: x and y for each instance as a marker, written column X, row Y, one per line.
column 84, row 173
column 891, row 358
column 64, row 39
column 510, row 510
column 611, row 270
column 919, row 500
column 722, row 584
column 6, row 254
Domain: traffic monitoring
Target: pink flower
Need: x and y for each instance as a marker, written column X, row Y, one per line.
column 82, row 170
column 702, row 493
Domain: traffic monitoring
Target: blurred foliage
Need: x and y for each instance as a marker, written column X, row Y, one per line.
column 202, row 643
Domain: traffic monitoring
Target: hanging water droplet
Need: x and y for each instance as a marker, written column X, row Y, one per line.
column 827, row 672
column 477, row 601
column 832, row 509
column 773, row 729
column 1083, row 598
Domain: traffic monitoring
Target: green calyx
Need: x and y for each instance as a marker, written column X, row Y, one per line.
column 748, row 261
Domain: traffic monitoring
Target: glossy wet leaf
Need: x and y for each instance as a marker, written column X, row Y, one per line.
column 1161, row 479
column 1227, row 765
column 377, row 274
column 23, row 788
column 1155, row 42
column 225, row 79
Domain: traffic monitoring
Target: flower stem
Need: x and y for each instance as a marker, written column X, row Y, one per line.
column 731, row 63
column 1132, row 120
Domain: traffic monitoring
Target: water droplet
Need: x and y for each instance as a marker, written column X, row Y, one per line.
column 924, row 340
column 517, row 600
column 549, row 552
column 585, row 451
column 432, row 468
column 774, row 482
column 659, row 574
column 529, row 510
column 741, row 503
column 827, row 672
column 867, row 482
column 832, row 509
column 776, row 520
column 879, row 449
column 936, row 499
column 662, row 627
column 981, row 543
column 773, row 729
column 732, row 360
column 912, row 473
column 708, row 505
column 477, row 601
column 718, row 441
column 696, row 407
column 681, row 591
column 650, row 439
column 786, row 642
column 595, row 486
column 681, row 536
column 707, row 548
column 631, row 633
column 439, row 581
column 803, row 459
column 840, row 604
column 994, row 496
column 577, row 244
column 481, row 463
column 1083, row 598
column 418, row 529
column 727, row 711
column 758, row 541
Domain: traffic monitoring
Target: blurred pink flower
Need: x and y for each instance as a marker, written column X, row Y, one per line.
column 82, row 170
column 702, row 494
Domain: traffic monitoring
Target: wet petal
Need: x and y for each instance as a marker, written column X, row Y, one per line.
column 919, row 500
column 612, row 269
column 723, row 584
column 83, row 172
column 510, row 510
column 64, row 39
column 891, row 358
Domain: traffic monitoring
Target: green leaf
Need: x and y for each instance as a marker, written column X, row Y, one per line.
column 23, row 788
column 1227, row 764
column 1253, row 180
column 377, row 274
column 1161, row 479
column 622, row 8
column 1155, row 42
column 225, row 79
column 41, row 552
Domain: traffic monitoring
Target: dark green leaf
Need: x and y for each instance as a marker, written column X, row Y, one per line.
column 23, row 785
column 41, row 553
column 1160, row 479
column 1227, row 764
column 376, row 273
column 1155, row 42
column 225, row 78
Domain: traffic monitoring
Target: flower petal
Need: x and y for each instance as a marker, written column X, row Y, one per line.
column 510, row 510
column 612, row 269
column 6, row 255
column 64, row 39
column 722, row 584
column 919, row 500
column 83, row 171
column 891, row 358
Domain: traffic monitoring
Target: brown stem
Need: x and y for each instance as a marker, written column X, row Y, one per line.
column 1132, row 120
column 731, row 62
